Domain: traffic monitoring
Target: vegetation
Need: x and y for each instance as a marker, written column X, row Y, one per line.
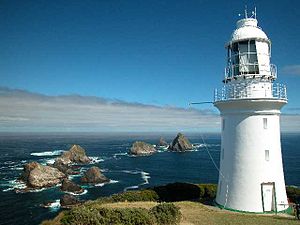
column 143, row 207
column 208, row 192
column 293, row 193
column 136, row 196
column 107, row 216
column 185, row 191
column 166, row 213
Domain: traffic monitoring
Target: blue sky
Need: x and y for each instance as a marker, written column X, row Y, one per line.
column 159, row 53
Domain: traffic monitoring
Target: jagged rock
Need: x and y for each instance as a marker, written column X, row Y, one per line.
column 76, row 154
column 36, row 175
column 142, row 148
column 94, row 176
column 62, row 167
column 180, row 144
column 162, row 142
column 27, row 168
column 70, row 186
column 67, row 201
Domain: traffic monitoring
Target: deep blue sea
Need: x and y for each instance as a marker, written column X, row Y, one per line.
column 109, row 152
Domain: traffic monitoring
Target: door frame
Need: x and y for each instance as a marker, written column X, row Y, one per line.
column 273, row 196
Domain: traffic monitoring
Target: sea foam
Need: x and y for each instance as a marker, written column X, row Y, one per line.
column 47, row 153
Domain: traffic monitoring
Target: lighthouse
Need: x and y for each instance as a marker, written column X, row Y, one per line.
column 251, row 177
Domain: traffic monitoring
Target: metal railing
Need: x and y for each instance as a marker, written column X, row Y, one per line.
column 242, row 91
column 259, row 70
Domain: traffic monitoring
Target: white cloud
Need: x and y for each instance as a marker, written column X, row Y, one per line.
column 291, row 70
column 26, row 111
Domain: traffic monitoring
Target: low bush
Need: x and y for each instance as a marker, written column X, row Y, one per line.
column 166, row 214
column 106, row 216
column 208, row 191
column 177, row 192
column 293, row 193
column 136, row 196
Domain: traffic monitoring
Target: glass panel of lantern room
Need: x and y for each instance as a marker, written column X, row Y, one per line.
column 243, row 57
column 253, row 68
column 229, row 63
column 263, row 54
column 235, row 59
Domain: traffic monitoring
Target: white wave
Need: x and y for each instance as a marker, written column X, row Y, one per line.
column 47, row 153
column 145, row 177
column 14, row 185
column 9, row 162
column 50, row 161
column 16, row 168
column 95, row 159
column 37, row 190
column 72, row 193
column 53, row 206
column 113, row 181
column 202, row 145
column 110, row 182
column 120, row 154
column 130, row 188
column 71, row 177
column 131, row 171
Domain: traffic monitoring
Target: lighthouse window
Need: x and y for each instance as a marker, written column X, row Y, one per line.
column 222, row 153
column 267, row 156
column 223, row 124
column 265, row 122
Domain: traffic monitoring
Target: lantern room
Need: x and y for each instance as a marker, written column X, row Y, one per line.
column 248, row 53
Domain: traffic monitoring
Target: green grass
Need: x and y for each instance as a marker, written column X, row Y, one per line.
column 142, row 207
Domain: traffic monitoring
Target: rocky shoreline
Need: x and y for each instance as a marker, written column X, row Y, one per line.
column 37, row 176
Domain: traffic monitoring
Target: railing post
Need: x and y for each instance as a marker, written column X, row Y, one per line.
column 216, row 95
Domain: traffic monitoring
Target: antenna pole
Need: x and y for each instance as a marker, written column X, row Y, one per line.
column 246, row 12
column 255, row 12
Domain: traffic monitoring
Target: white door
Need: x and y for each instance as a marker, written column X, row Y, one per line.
column 268, row 197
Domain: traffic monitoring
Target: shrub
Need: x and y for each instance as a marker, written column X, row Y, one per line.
column 106, row 216
column 136, row 196
column 208, row 191
column 293, row 193
column 166, row 213
column 177, row 192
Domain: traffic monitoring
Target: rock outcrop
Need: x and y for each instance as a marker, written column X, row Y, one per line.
column 36, row 175
column 68, row 201
column 70, row 186
column 142, row 148
column 62, row 167
column 180, row 144
column 162, row 142
column 76, row 154
column 94, row 176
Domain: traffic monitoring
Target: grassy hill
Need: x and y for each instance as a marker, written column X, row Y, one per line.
column 145, row 207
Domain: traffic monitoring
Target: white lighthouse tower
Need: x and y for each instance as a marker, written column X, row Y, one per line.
column 251, row 175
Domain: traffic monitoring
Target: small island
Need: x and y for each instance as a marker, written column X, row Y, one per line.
column 140, row 148
column 180, row 144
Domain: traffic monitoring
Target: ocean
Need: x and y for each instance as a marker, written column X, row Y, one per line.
column 109, row 152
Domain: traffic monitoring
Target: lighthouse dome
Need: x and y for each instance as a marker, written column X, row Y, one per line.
column 247, row 29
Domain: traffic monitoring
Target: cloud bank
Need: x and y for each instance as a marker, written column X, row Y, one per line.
column 23, row 111
column 26, row 111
